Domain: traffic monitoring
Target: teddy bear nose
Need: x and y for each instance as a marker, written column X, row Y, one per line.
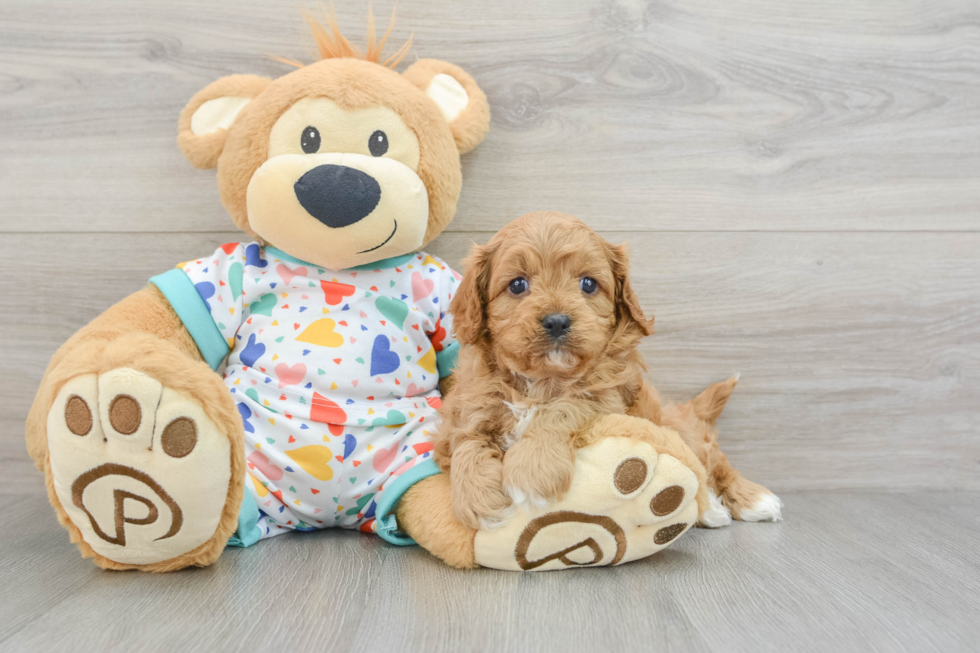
column 336, row 195
column 557, row 325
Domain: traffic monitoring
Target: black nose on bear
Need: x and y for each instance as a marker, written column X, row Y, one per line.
column 337, row 196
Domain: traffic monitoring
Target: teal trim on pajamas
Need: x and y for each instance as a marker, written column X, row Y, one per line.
column 279, row 254
column 383, row 264
column 446, row 359
column 248, row 532
column 387, row 524
column 194, row 313
column 386, row 263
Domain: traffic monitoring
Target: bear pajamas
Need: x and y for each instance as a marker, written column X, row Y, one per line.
column 335, row 375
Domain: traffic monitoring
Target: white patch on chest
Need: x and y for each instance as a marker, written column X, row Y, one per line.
column 523, row 414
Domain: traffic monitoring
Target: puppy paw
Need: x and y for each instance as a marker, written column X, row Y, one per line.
column 533, row 478
column 627, row 501
column 752, row 502
column 480, row 504
column 526, row 500
column 717, row 515
column 767, row 507
column 497, row 519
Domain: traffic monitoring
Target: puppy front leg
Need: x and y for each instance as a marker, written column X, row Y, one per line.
column 539, row 468
column 476, row 476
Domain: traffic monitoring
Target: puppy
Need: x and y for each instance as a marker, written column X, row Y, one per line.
column 549, row 325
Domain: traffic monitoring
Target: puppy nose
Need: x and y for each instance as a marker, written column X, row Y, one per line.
column 337, row 196
column 557, row 325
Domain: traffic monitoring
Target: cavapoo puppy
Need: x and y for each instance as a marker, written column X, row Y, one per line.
column 549, row 325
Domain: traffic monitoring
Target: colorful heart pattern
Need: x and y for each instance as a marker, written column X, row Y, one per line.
column 288, row 274
column 263, row 305
column 290, row 374
column 252, row 352
column 260, row 461
column 421, row 288
column 394, row 309
column 383, row 458
column 383, row 360
column 322, row 333
column 334, row 375
column 326, row 411
column 334, row 293
column 314, row 459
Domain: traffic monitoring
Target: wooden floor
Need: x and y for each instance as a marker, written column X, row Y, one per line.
column 861, row 571
column 800, row 185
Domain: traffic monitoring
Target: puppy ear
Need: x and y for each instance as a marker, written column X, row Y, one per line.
column 461, row 101
column 204, row 122
column 627, row 303
column 467, row 307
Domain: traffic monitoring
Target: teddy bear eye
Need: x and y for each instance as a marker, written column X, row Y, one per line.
column 310, row 140
column 378, row 143
column 518, row 286
column 588, row 285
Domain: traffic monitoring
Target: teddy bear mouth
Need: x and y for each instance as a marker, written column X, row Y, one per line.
column 385, row 240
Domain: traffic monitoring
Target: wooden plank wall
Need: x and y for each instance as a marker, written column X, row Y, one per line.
column 799, row 182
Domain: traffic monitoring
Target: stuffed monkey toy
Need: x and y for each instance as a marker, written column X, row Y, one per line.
column 290, row 382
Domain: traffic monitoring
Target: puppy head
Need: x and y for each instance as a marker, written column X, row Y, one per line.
column 546, row 296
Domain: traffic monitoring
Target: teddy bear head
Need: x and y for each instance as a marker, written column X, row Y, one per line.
column 343, row 162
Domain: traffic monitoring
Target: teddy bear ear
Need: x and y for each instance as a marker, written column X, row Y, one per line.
column 204, row 122
column 461, row 101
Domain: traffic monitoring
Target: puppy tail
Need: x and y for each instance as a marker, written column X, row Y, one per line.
column 709, row 404
column 647, row 404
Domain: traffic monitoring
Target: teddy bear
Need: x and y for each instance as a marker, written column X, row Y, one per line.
column 290, row 381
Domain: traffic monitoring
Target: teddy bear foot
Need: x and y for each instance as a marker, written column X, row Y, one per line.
column 628, row 500
column 139, row 470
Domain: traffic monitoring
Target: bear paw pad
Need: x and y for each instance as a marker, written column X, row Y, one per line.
column 627, row 501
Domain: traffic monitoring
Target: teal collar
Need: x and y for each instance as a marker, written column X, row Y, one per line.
column 386, row 263
column 383, row 264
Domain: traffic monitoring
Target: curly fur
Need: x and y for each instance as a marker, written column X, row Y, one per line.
column 514, row 385
column 520, row 399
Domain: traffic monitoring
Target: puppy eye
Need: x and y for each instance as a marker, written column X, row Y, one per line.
column 378, row 143
column 310, row 140
column 588, row 285
column 518, row 286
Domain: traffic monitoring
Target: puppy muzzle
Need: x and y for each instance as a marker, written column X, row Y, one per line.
column 557, row 325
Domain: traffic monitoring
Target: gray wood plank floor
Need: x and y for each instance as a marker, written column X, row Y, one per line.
column 848, row 572
column 800, row 185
